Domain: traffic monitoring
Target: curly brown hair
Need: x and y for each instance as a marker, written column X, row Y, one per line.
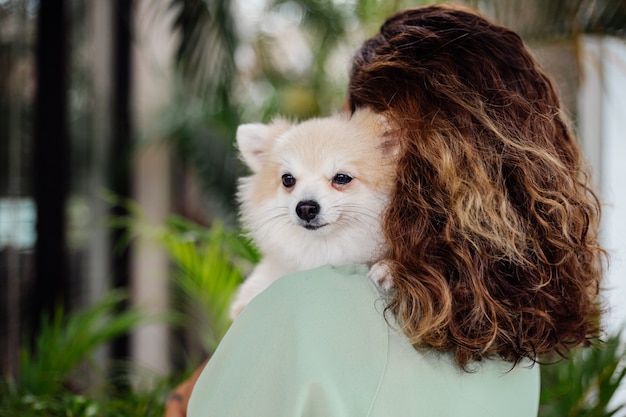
column 492, row 226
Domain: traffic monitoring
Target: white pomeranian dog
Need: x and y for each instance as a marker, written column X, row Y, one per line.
column 315, row 196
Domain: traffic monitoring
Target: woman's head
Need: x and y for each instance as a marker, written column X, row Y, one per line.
column 492, row 226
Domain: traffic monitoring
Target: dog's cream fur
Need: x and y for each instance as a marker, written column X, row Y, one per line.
column 339, row 173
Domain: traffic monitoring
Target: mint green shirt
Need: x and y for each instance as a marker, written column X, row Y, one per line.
column 316, row 344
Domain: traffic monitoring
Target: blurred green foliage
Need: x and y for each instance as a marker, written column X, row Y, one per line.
column 67, row 339
column 53, row 368
column 585, row 385
column 210, row 264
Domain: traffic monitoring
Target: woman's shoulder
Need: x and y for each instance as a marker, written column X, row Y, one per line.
column 328, row 288
column 313, row 343
column 327, row 276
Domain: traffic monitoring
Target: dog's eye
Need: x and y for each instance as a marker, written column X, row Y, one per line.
column 341, row 179
column 289, row 180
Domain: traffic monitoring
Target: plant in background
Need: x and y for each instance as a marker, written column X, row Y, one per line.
column 210, row 264
column 51, row 370
column 66, row 340
column 585, row 385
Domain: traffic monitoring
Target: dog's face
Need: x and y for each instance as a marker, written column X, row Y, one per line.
column 318, row 188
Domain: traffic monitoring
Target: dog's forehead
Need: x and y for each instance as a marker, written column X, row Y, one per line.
column 323, row 149
column 327, row 136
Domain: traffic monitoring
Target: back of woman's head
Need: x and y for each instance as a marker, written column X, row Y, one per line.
column 492, row 226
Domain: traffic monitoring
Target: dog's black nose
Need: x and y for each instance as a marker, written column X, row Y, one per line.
column 307, row 210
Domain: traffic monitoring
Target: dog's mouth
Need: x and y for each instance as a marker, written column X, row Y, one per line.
column 310, row 226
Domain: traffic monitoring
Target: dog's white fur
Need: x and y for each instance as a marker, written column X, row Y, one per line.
column 320, row 155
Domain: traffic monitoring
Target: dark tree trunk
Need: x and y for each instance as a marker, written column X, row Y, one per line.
column 50, row 162
column 121, row 141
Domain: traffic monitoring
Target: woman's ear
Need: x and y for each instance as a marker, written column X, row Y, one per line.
column 254, row 140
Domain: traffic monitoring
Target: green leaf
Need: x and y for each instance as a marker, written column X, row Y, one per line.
column 585, row 384
column 66, row 340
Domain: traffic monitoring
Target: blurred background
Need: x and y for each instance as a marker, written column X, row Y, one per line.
column 119, row 244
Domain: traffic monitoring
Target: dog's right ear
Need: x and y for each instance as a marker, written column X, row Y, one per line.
column 254, row 140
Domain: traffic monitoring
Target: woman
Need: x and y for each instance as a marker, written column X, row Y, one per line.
column 492, row 231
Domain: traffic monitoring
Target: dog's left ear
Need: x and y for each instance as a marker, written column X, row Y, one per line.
column 254, row 140
column 390, row 145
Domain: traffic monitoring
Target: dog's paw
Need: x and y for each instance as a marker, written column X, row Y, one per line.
column 381, row 275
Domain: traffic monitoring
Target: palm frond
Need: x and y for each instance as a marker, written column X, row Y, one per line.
column 586, row 384
column 210, row 264
column 206, row 49
column 66, row 340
